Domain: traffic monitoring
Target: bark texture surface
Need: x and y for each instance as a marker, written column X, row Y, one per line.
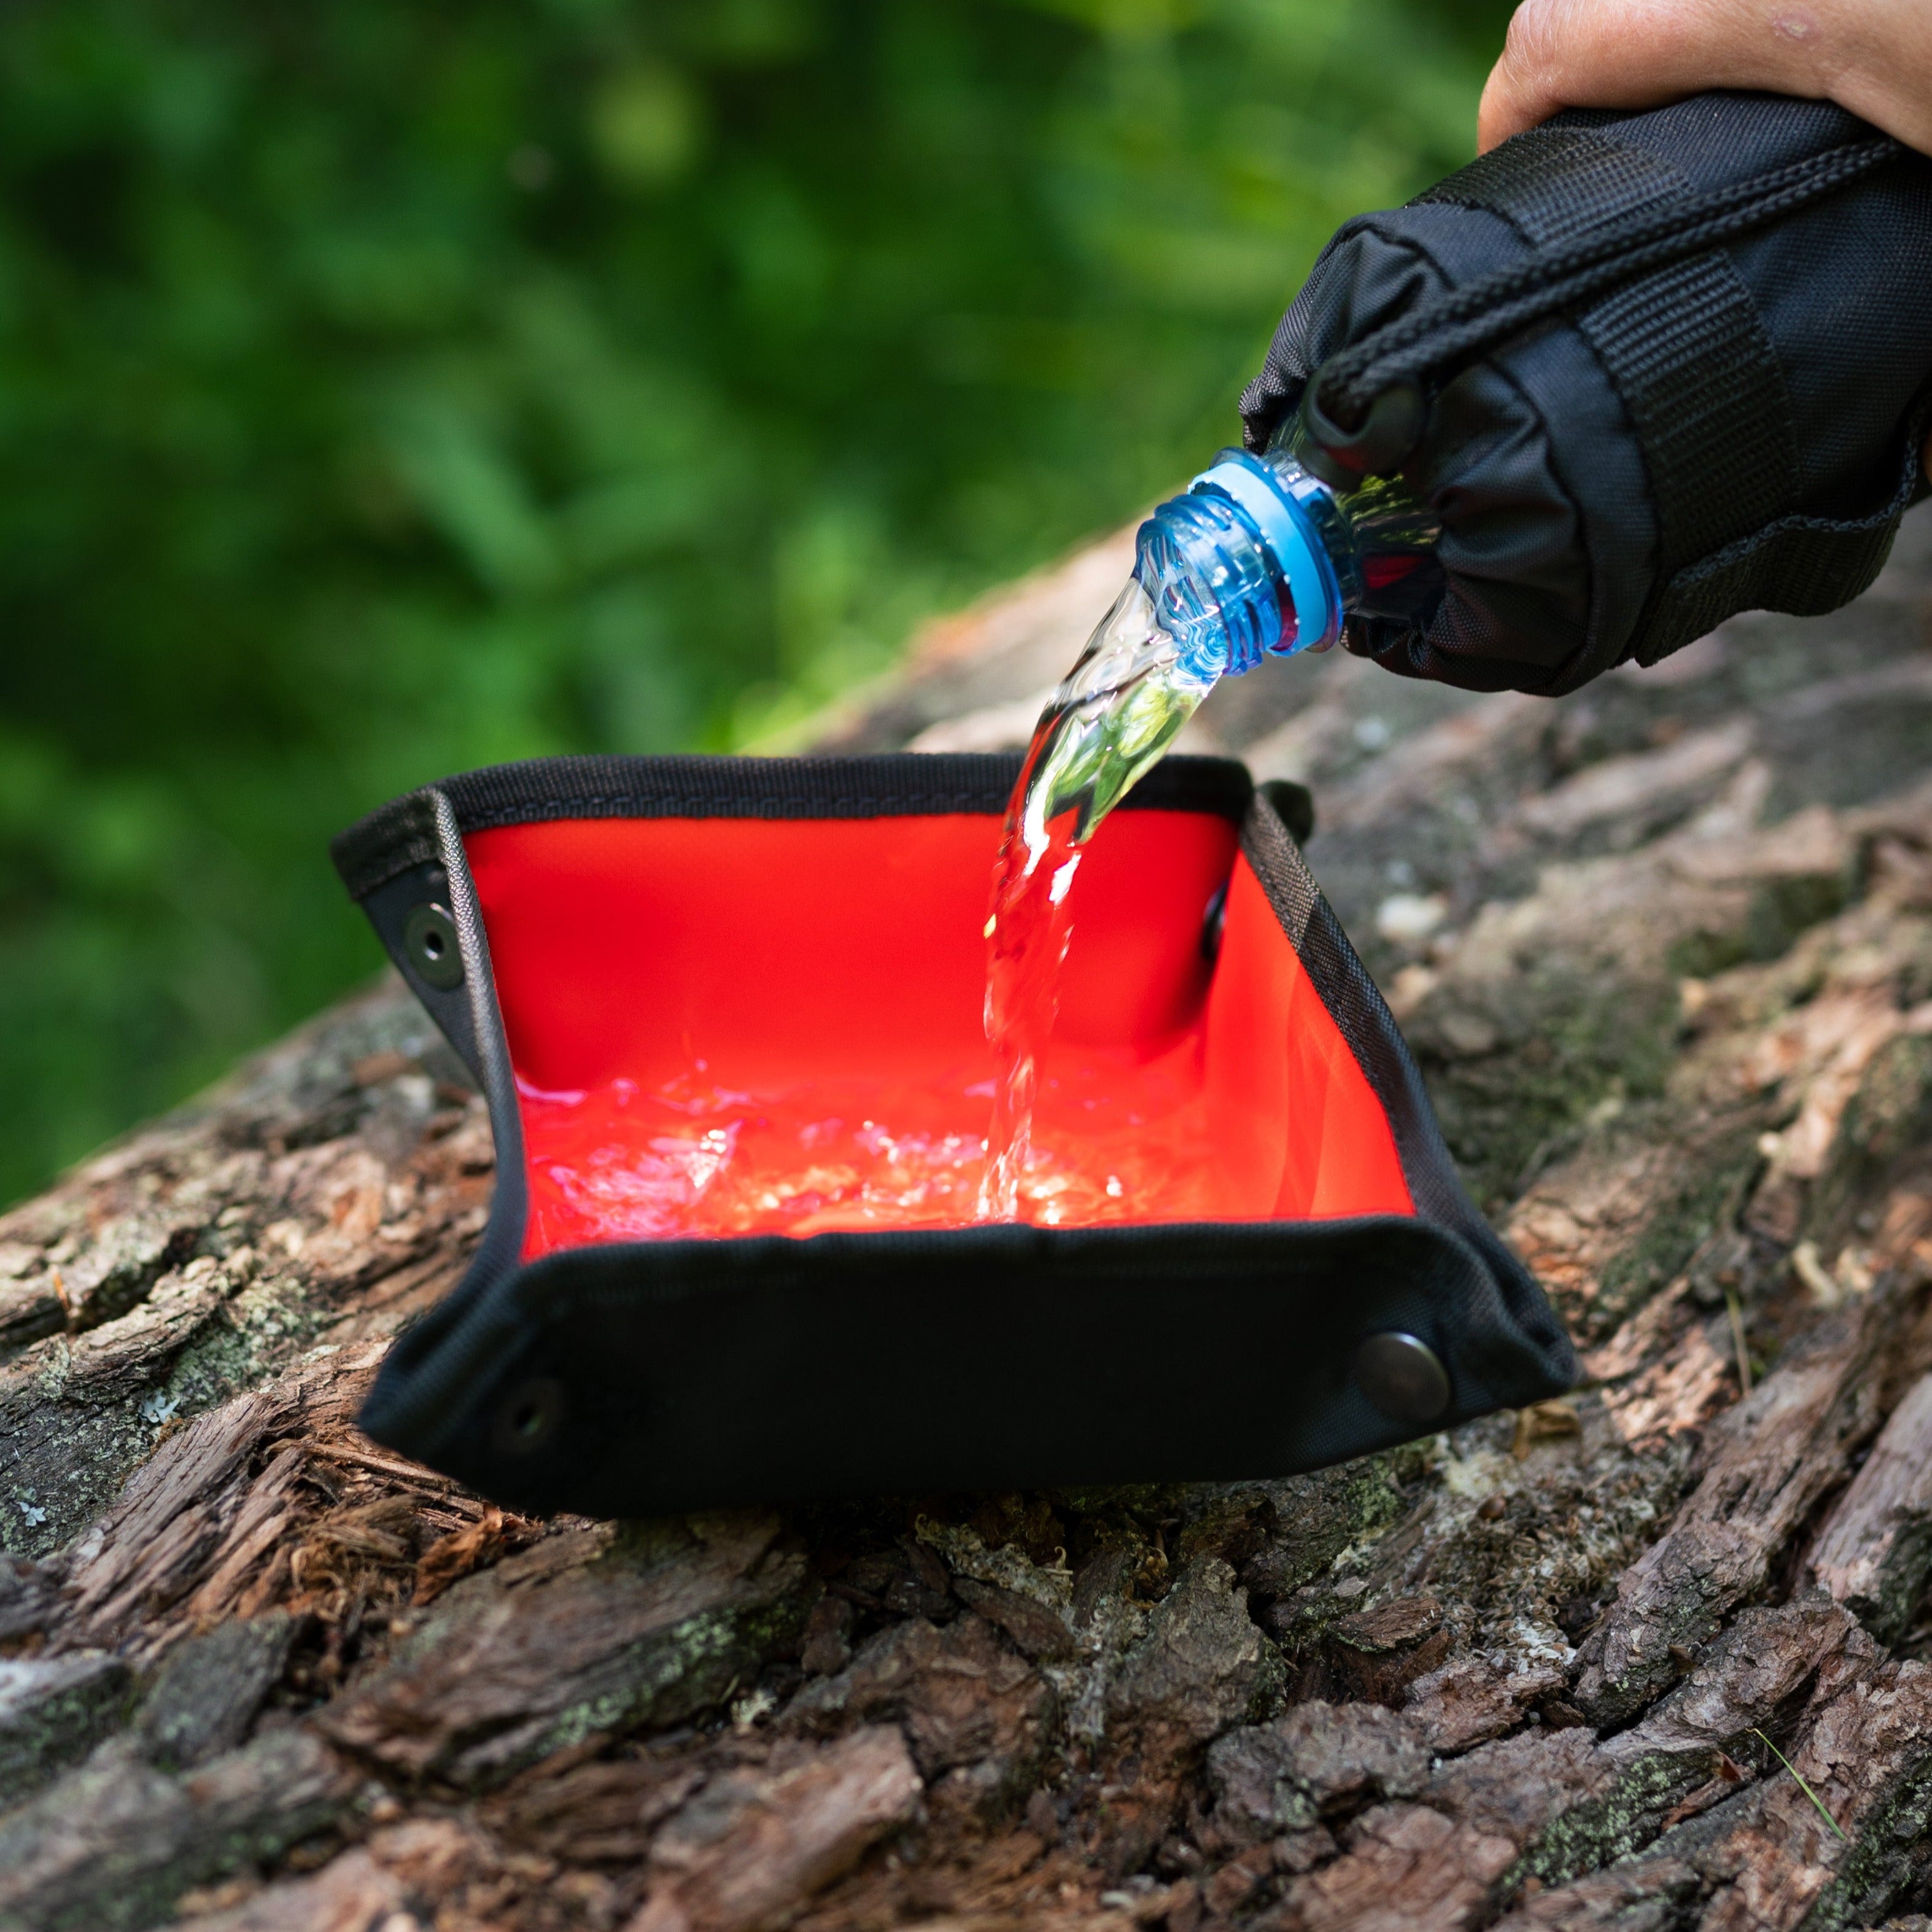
column 1656, row 1655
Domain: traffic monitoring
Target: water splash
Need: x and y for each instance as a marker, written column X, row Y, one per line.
column 627, row 1161
column 1118, row 709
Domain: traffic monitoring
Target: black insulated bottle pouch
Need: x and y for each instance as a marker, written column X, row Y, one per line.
column 647, row 962
column 1649, row 370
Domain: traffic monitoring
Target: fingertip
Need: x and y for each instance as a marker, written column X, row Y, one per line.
column 1493, row 125
column 1503, row 111
column 1513, row 101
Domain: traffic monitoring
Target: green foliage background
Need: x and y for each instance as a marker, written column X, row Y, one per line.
column 388, row 387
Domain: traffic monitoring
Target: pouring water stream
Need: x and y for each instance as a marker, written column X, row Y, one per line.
column 1116, row 712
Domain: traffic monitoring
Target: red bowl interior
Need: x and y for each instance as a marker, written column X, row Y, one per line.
column 809, row 994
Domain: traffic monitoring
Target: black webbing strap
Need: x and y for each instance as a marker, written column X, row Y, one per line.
column 1687, row 352
column 1554, row 183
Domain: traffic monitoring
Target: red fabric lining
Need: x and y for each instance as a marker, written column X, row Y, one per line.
column 781, row 952
column 1294, row 1118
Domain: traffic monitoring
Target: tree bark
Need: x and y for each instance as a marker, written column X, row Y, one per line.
column 1651, row 1656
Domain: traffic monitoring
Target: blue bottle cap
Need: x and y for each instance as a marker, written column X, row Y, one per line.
column 1271, row 503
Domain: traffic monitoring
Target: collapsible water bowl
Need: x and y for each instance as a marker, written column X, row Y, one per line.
column 709, row 998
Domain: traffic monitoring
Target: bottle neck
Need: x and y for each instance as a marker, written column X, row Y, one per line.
column 1305, row 536
column 1261, row 557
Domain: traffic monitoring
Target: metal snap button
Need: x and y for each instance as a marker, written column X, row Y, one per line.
column 1402, row 1376
column 429, row 938
column 529, row 1416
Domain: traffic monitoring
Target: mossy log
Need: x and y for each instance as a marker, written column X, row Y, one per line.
column 1651, row 1656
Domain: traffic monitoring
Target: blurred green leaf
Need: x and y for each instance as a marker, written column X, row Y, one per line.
column 647, row 124
column 386, row 389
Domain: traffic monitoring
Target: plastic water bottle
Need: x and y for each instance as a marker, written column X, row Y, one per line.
column 1261, row 556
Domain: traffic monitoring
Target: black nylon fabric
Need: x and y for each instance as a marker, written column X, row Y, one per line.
column 716, row 1374
column 1734, row 429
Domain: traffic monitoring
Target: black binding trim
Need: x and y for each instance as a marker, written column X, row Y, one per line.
column 1361, row 1014
column 434, row 1357
column 900, row 784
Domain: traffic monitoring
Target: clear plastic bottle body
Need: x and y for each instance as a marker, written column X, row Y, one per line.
column 1263, row 557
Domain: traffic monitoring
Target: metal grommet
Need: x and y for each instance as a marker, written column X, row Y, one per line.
column 429, row 938
column 1403, row 1376
column 529, row 1416
column 1213, row 923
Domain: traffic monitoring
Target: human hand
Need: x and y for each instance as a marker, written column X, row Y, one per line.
column 1873, row 57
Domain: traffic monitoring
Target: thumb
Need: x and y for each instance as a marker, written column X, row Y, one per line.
column 1634, row 53
column 1526, row 84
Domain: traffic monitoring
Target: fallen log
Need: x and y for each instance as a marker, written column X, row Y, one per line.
column 1653, row 1655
